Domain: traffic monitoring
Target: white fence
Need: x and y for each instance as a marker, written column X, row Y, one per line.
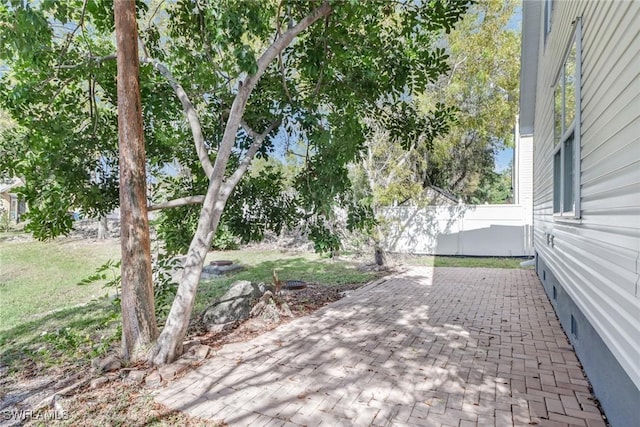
column 474, row 230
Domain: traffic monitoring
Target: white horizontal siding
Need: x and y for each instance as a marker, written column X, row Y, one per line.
column 597, row 258
column 600, row 185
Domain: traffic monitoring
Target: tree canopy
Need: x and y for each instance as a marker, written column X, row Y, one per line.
column 222, row 82
column 59, row 85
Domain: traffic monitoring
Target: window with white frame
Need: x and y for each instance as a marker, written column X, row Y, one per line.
column 566, row 118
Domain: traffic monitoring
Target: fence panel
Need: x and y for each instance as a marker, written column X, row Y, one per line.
column 473, row 230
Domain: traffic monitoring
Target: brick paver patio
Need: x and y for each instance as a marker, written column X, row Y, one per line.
column 428, row 347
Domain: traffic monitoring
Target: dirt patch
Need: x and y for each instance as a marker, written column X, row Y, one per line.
column 119, row 403
column 301, row 302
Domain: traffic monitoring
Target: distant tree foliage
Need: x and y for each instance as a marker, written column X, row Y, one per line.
column 482, row 85
column 494, row 188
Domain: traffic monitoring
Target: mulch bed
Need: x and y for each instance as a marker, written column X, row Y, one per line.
column 301, row 302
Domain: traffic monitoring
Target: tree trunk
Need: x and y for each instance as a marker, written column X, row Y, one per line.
column 379, row 256
column 139, row 327
column 103, row 227
column 169, row 344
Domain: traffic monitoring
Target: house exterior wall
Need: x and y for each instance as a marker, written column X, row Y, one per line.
column 5, row 202
column 594, row 261
column 9, row 201
column 13, row 206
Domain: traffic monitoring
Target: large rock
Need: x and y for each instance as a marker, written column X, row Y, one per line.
column 234, row 306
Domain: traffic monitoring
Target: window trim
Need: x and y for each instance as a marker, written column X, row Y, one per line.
column 574, row 128
column 548, row 9
column 577, row 156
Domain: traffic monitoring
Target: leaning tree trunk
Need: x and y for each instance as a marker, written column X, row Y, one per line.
column 169, row 344
column 139, row 327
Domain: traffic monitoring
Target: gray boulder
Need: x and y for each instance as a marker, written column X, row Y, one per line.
column 234, row 306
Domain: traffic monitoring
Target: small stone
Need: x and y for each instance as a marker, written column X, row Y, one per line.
column 108, row 364
column 188, row 345
column 112, row 376
column 198, row 352
column 153, row 379
column 169, row 372
column 345, row 294
column 286, row 311
column 136, row 376
column 98, row 382
column 202, row 351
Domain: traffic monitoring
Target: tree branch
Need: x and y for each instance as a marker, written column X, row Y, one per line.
column 454, row 69
column 283, row 41
column 244, row 90
column 70, row 36
column 153, row 15
column 252, row 133
column 284, row 79
column 280, row 59
column 325, row 49
column 233, row 180
column 95, row 59
column 183, row 201
column 189, row 111
column 296, row 154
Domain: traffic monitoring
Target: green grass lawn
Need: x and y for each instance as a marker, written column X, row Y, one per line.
column 260, row 264
column 39, row 277
column 45, row 316
column 456, row 261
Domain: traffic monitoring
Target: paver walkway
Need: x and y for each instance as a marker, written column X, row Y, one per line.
column 428, row 347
